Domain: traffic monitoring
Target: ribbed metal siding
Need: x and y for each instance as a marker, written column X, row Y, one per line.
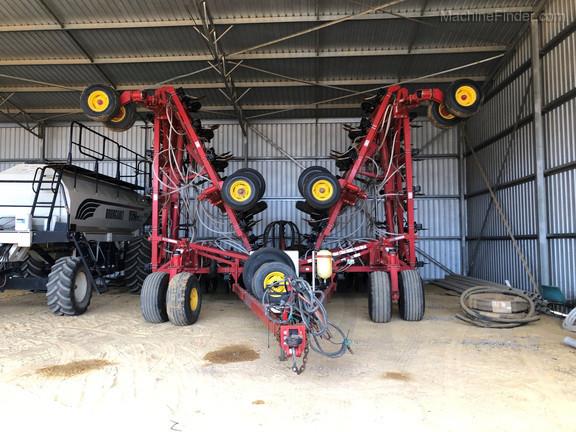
column 498, row 261
column 563, row 264
column 518, row 204
column 519, row 162
column 558, row 14
column 16, row 144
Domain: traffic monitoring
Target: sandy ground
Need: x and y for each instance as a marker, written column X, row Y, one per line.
column 110, row 369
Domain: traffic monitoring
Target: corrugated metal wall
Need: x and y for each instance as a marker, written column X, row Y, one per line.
column 309, row 142
column 501, row 149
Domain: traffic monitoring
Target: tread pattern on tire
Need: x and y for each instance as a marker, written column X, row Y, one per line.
column 60, row 287
column 380, row 297
column 136, row 260
column 411, row 302
column 153, row 297
column 33, row 268
column 178, row 301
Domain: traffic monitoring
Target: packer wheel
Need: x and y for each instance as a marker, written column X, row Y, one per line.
column 463, row 98
column 100, row 102
column 241, row 191
column 321, row 190
column 268, row 274
column 262, row 256
column 441, row 117
column 124, row 118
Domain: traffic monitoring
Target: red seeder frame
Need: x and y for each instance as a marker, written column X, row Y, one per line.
column 390, row 253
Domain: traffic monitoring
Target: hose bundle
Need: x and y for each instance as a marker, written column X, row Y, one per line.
column 496, row 320
column 302, row 304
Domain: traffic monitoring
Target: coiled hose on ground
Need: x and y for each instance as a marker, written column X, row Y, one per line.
column 496, row 320
column 569, row 322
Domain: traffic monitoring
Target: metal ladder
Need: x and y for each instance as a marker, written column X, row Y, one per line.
column 43, row 183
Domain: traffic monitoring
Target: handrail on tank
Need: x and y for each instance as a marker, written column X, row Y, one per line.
column 101, row 155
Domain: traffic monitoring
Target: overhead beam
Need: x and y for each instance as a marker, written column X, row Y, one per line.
column 262, row 19
column 243, row 84
column 271, row 107
column 254, row 56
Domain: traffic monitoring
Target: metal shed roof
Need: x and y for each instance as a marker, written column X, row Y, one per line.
column 46, row 45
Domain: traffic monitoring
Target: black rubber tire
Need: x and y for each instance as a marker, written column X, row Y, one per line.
column 137, row 256
column 411, row 302
column 457, row 109
column 380, row 297
column 258, row 177
column 315, row 177
column 153, row 297
column 34, row 268
column 262, row 256
column 237, row 205
column 124, row 123
column 61, row 287
column 434, row 115
column 178, row 299
column 306, row 173
column 264, row 270
column 111, row 109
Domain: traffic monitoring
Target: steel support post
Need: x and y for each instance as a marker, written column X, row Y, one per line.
column 462, row 199
column 540, row 157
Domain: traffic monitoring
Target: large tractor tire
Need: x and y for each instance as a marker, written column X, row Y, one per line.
column 137, row 263
column 380, row 297
column 153, row 297
column 411, row 302
column 69, row 291
column 34, row 268
column 184, row 299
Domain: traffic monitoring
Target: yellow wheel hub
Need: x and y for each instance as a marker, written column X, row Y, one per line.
column 194, row 298
column 275, row 277
column 240, row 191
column 466, row 95
column 322, row 190
column 98, row 101
column 120, row 116
column 444, row 113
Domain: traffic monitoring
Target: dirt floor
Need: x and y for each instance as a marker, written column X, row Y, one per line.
column 110, row 369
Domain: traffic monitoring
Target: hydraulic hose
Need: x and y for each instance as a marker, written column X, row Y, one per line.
column 569, row 322
column 491, row 319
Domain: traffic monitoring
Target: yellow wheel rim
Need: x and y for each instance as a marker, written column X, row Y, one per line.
column 322, row 190
column 466, row 95
column 240, row 190
column 98, row 101
column 120, row 116
column 444, row 113
column 274, row 277
column 194, row 299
